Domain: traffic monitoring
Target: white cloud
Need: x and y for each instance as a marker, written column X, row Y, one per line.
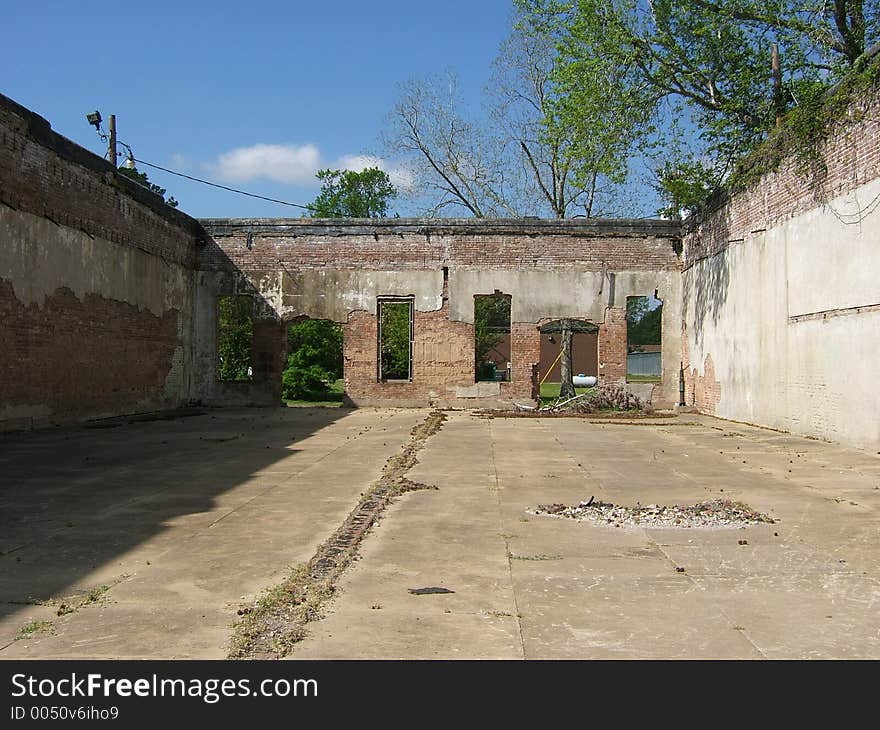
column 297, row 164
column 400, row 177
column 285, row 163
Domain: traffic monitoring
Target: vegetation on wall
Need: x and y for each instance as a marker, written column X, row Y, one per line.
column 704, row 70
column 141, row 179
column 806, row 127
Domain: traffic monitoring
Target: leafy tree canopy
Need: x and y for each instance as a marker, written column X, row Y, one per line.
column 315, row 359
column 643, row 321
column 141, row 179
column 394, row 348
column 350, row 194
column 491, row 323
column 548, row 143
column 709, row 63
column 235, row 335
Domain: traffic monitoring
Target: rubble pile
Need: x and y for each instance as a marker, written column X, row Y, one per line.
column 712, row 513
column 603, row 398
column 607, row 398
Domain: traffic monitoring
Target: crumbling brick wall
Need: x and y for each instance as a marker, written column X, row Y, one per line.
column 338, row 269
column 95, row 283
column 612, row 346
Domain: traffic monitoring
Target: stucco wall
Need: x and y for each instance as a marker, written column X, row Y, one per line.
column 781, row 295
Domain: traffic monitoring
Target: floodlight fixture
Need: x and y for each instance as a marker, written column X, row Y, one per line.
column 95, row 119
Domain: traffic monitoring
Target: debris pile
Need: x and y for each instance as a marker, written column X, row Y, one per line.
column 602, row 398
column 712, row 513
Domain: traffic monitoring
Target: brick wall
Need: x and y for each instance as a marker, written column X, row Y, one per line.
column 49, row 176
column 388, row 245
column 780, row 290
column 72, row 357
column 851, row 157
column 525, row 340
column 443, row 357
column 95, row 290
column 271, row 252
column 612, row 346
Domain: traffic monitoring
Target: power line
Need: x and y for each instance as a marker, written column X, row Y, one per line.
column 223, row 187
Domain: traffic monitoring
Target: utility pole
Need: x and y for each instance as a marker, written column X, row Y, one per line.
column 777, row 83
column 112, row 140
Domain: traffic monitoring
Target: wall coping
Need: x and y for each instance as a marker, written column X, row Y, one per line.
column 575, row 227
column 40, row 131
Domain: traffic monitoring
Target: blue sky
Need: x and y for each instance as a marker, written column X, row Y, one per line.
column 224, row 90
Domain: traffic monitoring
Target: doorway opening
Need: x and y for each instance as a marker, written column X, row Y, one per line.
column 644, row 316
column 584, row 356
column 235, row 338
column 492, row 346
column 395, row 346
column 313, row 372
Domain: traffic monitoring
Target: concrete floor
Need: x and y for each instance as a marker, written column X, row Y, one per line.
column 176, row 521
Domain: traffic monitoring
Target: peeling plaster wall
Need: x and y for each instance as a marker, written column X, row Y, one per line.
column 337, row 270
column 333, row 294
column 95, row 284
column 541, row 295
column 781, row 296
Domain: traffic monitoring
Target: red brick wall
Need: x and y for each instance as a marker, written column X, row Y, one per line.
column 71, row 356
column 612, row 346
column 407, row 246
column 525, row 339
column 47, row 175
column 443, row 350
column 851, row 157
column 83, row 357
column 443, row 357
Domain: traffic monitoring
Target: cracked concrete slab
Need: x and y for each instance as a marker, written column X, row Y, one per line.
column 185, row 521
column 578, row 590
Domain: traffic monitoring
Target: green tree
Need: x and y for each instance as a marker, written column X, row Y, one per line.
column 394, row 347
column 235, row 332
column 550, row 144
column 350, row 194
column 315, row 359
column 643, row 322
column 141, row 179
column 709, row 62
column 491, row 322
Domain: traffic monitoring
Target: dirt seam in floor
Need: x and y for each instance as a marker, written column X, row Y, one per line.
column 270, row 627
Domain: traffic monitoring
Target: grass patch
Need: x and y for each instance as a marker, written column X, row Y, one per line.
column 550, row 392
column 330, row 398
column 69, row 604
column 36, row 627
column 278, row 620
